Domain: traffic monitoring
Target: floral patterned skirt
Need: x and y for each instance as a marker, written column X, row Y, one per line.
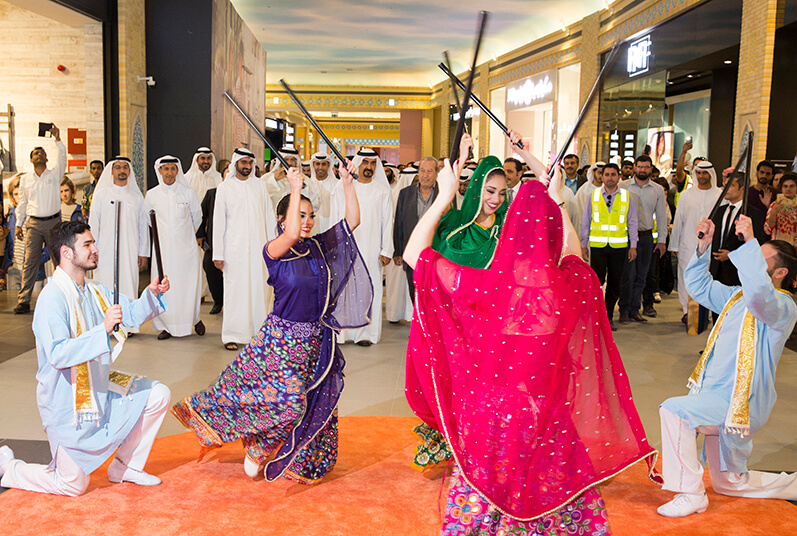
column 434, row 449
column 468, row 513
column 261, row 396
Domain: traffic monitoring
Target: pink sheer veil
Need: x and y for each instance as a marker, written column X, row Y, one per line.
column 517, row 367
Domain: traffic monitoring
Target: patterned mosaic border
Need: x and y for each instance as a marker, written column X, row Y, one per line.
column 380, row 142
column 643, row 20
column 543, row 64
column 340, row 101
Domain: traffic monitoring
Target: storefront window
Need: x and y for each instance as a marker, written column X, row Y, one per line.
column 632, row 113
column 543, row 108
column 567, row 106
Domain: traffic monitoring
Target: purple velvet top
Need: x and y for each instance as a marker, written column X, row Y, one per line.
column 322, row 278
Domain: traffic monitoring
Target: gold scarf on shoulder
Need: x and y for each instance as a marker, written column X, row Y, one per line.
column 86, row 408
column 737, row 420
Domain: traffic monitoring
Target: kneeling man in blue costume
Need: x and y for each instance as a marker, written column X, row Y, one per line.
column 732, row 389
column 88, row 410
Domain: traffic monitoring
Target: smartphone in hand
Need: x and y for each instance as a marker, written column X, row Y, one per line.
column 44, row 128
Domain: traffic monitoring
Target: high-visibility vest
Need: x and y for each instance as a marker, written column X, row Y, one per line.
column 609, row 228
column 655, row 228
column 687, row 185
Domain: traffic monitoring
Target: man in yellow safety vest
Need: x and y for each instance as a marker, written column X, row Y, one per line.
column 609, row 234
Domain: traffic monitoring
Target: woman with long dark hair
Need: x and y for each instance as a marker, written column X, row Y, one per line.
column 280, row 394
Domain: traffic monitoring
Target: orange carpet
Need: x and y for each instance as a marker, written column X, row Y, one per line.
column 372, row 491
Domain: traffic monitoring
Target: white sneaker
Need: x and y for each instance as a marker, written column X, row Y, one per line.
column 656, row 297
column 251, row 467
column 684, row 504
column 119, row 472
column 6, row 455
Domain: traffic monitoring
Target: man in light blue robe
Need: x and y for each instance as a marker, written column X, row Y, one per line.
column 88, row 410
column 733, row 387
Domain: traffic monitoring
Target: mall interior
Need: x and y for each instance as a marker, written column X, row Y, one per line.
column 145, row 78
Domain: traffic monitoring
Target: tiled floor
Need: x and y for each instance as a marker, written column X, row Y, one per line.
column 658, row 357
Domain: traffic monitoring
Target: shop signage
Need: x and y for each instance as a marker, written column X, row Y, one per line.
column 532, row 90
column 472, row 112
column 639, row 56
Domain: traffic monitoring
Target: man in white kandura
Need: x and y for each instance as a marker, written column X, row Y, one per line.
column 202, row 176
column 178, row 215
column 323, row 182
column 243, row 221
column 117, row 184
column 88, row 410
column 277, row 178
column 693, row 205
column 374, row 236
column 732, row 389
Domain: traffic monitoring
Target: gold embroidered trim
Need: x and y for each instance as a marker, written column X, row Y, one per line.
column 82, row 381
column 120, row 378
column 740, row 407
column 694, row 379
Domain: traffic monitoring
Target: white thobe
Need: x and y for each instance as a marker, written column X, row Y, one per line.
column 202, row 182
column 277, row 189
column 179, row 215
column 243, row 221
column 324, row 191
column 133, row 237
column 374, row 237
column 693, row 205
column 582, row 198
column 569, row 199
column 398, row 305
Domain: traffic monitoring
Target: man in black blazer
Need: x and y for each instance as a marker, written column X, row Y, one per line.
column 725, row 238
column 204, row 236
column 413, row 202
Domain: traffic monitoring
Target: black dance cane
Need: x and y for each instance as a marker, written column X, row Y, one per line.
column 117, row 221
column 613, row 53
column 748, row 176
column 456, row 93
column 156, row 243
column 725, row 188
column 478, row 103
column 265, row 139
column 309, row 117
column 468, row 87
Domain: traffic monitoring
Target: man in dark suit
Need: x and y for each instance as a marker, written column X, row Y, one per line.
column 413, row 202
column 725, row 239
column 204, row 236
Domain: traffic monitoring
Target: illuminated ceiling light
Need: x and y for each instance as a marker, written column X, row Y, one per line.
column 690, row 76
column 391, row 102
column 370, row 127
column 276, row 100
column 727, row 62
column 563, row 26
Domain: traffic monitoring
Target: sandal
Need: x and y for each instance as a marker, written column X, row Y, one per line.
column 231, row 346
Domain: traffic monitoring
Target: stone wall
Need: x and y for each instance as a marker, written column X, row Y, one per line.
column 34, row 47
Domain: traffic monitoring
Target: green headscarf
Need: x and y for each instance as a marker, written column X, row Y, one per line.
column 458, row 238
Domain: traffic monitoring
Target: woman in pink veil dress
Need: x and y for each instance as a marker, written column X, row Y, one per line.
column 521, row 374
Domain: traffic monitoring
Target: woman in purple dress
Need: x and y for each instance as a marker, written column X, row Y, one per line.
column 280, row 394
